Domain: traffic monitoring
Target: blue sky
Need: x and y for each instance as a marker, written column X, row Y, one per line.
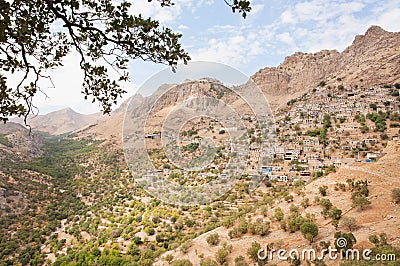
column 273, row 30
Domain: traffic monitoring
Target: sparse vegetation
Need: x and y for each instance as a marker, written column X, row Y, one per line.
column 4, row 141
column 361, row 201
column 396, row 195
column 259, row 227
column 191, row 147
column 309, row 231
column 213, row 239
column 240, row 261
column 221, row 255
column 208, row 262
column 183, row 262
column 323, row 190
column 185, row 246
column 253, row 251
column 278, row 215
column 349, row 223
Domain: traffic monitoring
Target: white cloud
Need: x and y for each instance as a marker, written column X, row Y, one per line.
column 235, row 50
column 256, row 8
column 238, row 46
column 219, row 29
column 183, row 27
column 389, row 20
column 287, row 17
column 316, row 25
column 319, row 11
column 286, row 38
column 165, row 15
column 204, row 3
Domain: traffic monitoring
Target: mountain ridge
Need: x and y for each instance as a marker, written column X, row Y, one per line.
column 371, row 59
column 60, row 121
column 301, row 72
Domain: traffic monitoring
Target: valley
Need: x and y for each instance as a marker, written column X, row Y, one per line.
column 68, row 195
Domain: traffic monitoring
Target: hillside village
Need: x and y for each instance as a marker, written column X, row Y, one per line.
column 334, row 127
column 332, row 172
column 331, row 127
column 317, row 132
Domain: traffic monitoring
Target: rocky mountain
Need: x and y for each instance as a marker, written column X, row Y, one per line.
column 110, row 126
column 16, row 140
column 372, row 59
column 61, row 121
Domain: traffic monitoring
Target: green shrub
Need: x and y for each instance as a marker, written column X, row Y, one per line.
column 323, row 190
column 183, row 262
column 361, row 201
column 278, row 215
column 185, row 246
column 221, row 255
column 208, row 262
column 309, row 231
column 240, row 261
column 259, row 227
column 253, row 251
column 213, row 239
column 396, row 195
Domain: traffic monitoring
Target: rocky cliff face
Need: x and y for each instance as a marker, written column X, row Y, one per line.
column 372, row 59
column 16, row 140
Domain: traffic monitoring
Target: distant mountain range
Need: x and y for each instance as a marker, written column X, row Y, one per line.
column 372, row 59
column 60, row 122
